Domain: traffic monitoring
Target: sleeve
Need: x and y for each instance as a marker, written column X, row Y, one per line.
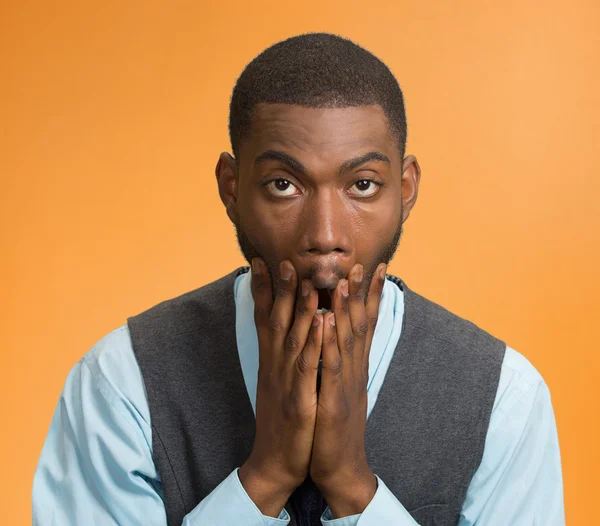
column 229, row 505
column 519, row 481
column 383, row 509
column 96, row 464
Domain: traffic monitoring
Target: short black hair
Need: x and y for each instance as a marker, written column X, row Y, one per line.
column 316, row 70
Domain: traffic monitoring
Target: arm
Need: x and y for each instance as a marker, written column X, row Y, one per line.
column 96, row 465
column 519, row 481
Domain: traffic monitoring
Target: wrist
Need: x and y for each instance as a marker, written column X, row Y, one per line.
column 269, row 493
column 270, row 474
column 350, row 495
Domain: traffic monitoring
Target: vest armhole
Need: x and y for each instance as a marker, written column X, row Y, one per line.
column 157, row 440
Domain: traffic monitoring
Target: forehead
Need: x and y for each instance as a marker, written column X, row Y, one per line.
column 330, row 133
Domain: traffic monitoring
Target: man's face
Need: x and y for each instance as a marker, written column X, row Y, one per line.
column 319, row 187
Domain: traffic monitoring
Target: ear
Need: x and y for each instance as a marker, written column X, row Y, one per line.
column 227, row 179
column 411, row 177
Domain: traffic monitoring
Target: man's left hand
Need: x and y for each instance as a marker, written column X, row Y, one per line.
column 339, row 465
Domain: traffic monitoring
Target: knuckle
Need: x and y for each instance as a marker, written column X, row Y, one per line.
column 361, row 328
column 275, row 325
column 292, row 342
column 336, row 367
column 302, row 365
column 349, row 342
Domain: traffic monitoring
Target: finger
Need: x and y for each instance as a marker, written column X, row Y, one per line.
column 282, row 313
column 331, row 371
column 372, row 306
column 345, row 337
column 357, row 313
column 306, row 307
column 306, row 366
column 260, row 284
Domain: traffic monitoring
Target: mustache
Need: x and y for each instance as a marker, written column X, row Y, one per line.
column 253, row 248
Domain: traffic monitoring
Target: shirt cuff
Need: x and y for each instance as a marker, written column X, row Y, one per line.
column 384, row 509
column 229, row 503
column 328, row 520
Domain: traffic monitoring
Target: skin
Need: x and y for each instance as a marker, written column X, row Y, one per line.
column 300, row 201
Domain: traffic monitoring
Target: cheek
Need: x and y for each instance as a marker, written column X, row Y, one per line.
column 375, row 228
column 381, row 222
column 272, row 228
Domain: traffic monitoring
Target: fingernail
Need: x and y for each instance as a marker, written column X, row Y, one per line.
column 256, row 266
column 286, row 271
column 358, row 275
column 332, row 319
column 344, row 288
column 305, row 288
column 315, row 321
column 382, row 272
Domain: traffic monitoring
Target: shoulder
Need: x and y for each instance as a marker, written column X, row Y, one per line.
column 115, row 373
column 518, row 373
column 521, row 388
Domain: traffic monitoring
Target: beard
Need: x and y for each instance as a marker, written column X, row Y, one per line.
column 251, row 250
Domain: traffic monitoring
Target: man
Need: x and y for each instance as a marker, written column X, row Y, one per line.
column 313, row 388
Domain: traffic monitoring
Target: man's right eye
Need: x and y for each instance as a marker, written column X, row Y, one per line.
column 281, row 187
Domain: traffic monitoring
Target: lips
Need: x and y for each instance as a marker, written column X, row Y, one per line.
column 325, row 273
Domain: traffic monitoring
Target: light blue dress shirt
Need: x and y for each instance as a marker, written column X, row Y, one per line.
column 96, row 465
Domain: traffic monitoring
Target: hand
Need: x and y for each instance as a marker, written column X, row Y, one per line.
column 339, row 465
column 286, row 401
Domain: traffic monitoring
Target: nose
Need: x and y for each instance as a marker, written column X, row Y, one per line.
column 325, row 237
column 326, row 228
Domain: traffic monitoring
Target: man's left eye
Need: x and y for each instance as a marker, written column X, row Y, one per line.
column 366, row 187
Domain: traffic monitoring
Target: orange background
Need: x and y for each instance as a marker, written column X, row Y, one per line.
column 112, row 116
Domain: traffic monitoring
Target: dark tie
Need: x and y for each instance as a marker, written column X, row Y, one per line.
column 306, row 505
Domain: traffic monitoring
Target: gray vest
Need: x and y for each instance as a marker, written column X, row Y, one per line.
column 424, row 437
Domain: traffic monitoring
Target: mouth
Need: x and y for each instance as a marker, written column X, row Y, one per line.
column 324, row 300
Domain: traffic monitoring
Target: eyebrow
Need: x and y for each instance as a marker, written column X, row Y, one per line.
column 276, row 155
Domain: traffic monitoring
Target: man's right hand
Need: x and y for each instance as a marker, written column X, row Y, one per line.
column 290, row 335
